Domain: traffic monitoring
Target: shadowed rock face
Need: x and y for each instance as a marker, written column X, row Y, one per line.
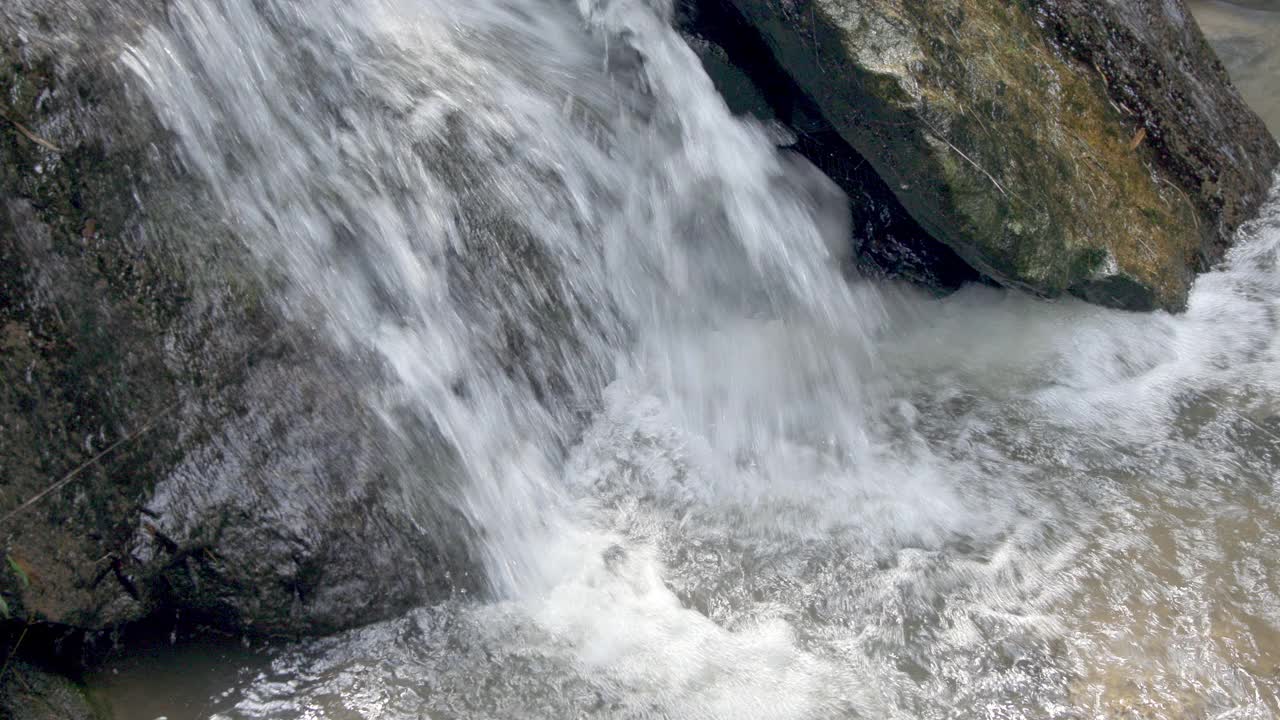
column 1092, row 148
column 202, row 454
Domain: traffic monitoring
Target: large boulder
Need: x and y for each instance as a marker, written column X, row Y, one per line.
column 169, row 444
column 887, row 241
column 1091, row 147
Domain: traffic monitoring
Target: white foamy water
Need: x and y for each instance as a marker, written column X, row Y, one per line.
column 495, row 202
column 711, row 476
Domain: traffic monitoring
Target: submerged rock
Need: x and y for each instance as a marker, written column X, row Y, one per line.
column 1061, row 146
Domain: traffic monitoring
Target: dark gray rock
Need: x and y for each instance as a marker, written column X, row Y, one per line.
column 168, row 444
column 27, row 693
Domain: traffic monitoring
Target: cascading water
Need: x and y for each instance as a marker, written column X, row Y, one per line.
column 709, row 474
column 501, row 207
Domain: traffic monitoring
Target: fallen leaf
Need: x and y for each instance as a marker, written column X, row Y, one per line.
column 1137, row 139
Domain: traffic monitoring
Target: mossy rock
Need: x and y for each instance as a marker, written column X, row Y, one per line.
column 1091, row 148
column 28, row 693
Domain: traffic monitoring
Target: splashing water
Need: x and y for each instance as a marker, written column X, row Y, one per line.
column 493, row 201
column 711, row 476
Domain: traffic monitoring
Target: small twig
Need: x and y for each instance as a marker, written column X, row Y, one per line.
column 30, row 135
column 30, row 691
column 969, row 159
column 1195, row 214
column 14, row 650
column 813, row 28
column 1248, row 420
column 1137, row 139
column 75, row 473
column 146, row 427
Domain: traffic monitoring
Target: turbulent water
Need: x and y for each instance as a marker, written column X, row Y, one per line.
column 710, row 474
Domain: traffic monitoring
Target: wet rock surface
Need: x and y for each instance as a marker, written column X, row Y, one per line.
column 169, row 444
column 28, row 693
column 887, row 240
column 1159, row 68
column 1096, row 149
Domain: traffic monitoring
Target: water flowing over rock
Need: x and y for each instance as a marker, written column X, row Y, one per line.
column 313, row 310
column 169, row 443
column 887, row 241
column 1091, row 148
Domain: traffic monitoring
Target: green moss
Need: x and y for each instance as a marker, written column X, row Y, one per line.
column 1007, row 151
column 1088, row 262
column 1077, row 189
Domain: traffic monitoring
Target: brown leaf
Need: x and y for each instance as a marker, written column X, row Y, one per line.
column 1137, row 139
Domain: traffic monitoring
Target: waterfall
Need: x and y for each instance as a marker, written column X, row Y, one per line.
column 507, row 204
column 710, row 472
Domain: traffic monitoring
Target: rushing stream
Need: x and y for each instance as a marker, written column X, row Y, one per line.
column 711, row 475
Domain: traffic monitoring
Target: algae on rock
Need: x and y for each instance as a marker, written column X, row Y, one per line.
column 1001, row 130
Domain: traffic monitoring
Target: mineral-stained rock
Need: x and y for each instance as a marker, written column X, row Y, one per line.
column 1064, row 146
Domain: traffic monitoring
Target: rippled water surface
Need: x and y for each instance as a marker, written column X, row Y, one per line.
column 773, row 491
